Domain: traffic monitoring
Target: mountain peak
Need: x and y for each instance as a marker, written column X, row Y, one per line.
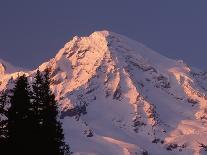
column 102, row 43
column 5, row 67
column 119, row 95
column 8, row 68
column 103, row 33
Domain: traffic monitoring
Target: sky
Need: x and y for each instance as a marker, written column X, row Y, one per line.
column 32, row 31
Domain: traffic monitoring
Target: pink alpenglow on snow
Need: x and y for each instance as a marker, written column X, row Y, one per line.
column 119, row 97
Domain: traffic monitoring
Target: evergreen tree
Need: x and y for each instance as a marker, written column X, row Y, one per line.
column 3, row 120
column 37, row 108
column 19, row 118
column 49, row 131
column 37, row 103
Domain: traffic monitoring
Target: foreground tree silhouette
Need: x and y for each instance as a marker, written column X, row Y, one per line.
column 3, row 121
column 32, row 127
column 19, row 118
column 49, row 133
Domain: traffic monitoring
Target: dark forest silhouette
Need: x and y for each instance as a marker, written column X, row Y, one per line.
column 30, row 125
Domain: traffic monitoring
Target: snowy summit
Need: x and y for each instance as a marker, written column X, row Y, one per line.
column 119, row 97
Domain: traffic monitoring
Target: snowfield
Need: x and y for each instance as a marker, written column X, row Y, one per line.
column 118, row 97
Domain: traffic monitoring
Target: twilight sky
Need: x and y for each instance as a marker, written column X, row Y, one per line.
column 32, row 31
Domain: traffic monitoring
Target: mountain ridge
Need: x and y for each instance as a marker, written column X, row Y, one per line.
column 121, row 97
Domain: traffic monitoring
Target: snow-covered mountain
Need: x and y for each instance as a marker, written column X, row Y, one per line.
column 118, row 97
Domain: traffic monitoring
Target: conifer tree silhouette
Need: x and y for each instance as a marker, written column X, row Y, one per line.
column 50, row 137
column 3, row 120
column 19, row 118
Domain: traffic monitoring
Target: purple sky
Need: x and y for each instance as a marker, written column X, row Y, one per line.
column 32, row 31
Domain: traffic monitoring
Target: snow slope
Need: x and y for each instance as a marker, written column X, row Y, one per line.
column 118, row 97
